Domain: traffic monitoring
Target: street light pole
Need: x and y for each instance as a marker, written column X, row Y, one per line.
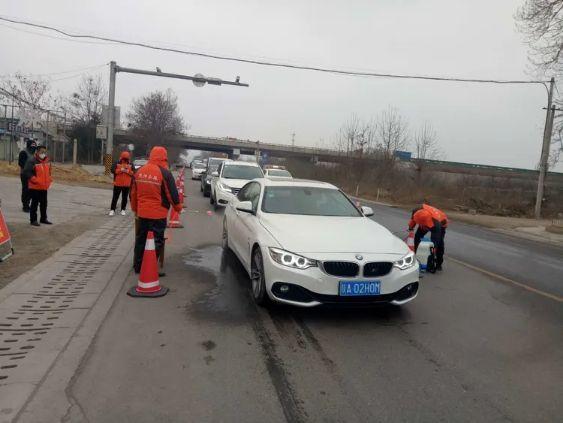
column 198, row 80
column 548, row 129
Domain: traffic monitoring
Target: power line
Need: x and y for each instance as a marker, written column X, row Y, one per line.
column 267, row 63
column 81, row 70
column 24, row 101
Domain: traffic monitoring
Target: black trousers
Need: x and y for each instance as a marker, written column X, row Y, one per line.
column 38, row 198
column 437, row 235
column 124, row 192
column 157, row 226
column 25, row 192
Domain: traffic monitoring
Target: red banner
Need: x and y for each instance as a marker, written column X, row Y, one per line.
column 4, row 233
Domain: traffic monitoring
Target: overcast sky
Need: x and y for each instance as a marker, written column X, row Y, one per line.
column 490, row 124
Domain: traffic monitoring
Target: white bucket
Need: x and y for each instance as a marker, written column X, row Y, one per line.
column 423, row 252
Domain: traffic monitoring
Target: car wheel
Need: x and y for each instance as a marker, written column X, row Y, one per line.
column 211, row 199
column 258, row 279
column 225, row 237
column 200, row 188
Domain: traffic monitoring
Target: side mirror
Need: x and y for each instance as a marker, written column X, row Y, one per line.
column 245, row 206
column 215, row 174
column 367, row 211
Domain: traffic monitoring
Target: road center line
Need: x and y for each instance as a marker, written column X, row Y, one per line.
column 507, row 280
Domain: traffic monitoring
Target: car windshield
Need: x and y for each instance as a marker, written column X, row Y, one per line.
column 213, row 165
column 279, row 172
column 310, row 201
column 199, row 166
column 241, row 172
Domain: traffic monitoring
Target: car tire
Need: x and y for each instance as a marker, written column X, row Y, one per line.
column 200, row 188
column 258, row 279
column 225, row 236
column 211, row 199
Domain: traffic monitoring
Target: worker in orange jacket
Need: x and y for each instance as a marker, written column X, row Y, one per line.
column 123, row 172
column 433, row 220
column 153, row 192
column 37, row 171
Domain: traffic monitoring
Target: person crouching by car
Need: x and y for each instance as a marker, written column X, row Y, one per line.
column 38, row 172
column 426, row 222
column 153, row 192
column 123, row 172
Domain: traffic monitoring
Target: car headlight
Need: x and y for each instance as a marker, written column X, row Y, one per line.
column 224, row 187
column 288, row 259
column 406, row 262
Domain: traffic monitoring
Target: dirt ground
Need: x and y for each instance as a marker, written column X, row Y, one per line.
column 28, row 238
column 64, row 173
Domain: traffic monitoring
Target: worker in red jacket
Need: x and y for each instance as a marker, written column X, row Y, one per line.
column 37, row 171
column 435, row 221
column 123, row 172
column 153, row 192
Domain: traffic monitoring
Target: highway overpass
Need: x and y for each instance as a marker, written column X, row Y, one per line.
column 231, row 146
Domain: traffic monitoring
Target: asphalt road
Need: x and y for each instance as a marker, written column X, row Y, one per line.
column 535, row 264
column 469, row 348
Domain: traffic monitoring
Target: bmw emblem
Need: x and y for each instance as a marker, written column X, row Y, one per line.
column 359, row 257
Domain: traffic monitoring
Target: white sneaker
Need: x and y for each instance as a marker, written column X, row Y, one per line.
column 112, row 213
column 123, row 213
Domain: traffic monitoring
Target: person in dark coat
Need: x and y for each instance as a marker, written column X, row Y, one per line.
column 24, row 156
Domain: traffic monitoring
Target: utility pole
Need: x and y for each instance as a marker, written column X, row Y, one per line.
column 548, row 129
column 108, row 158
column 293, row 141
column 11, row 133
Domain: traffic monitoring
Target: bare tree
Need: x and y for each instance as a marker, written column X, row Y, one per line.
column 84, row 109
column 29, row 92
column 155, row 116
column 541, row 22
column 85, row 104
column 426, row 143
column 391, row 133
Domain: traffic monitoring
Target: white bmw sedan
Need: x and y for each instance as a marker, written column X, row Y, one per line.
column 305, row 243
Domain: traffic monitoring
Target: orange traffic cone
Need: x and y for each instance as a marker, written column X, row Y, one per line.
column 410, row 240
column 148, row 284
column 174, row 221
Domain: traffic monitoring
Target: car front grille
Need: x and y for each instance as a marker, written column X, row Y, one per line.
column 377, row 268
column 341, row 268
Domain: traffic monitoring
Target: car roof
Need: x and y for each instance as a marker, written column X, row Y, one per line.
column 290, row 182
column 234, row 162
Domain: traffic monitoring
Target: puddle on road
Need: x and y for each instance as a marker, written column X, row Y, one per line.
column 227, row 299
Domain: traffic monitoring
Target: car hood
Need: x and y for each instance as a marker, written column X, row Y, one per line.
column 234, row 183
column 327, row 234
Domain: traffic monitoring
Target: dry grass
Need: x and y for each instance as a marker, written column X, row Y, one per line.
column 61, row 173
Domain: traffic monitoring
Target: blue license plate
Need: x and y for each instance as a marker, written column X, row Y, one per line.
column 358, row 288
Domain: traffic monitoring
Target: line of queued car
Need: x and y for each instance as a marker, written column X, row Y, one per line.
column 306, row 243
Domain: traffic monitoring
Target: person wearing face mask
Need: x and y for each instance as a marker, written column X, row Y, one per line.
column 24, row 156
column 123, row 172
column 38, row 171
